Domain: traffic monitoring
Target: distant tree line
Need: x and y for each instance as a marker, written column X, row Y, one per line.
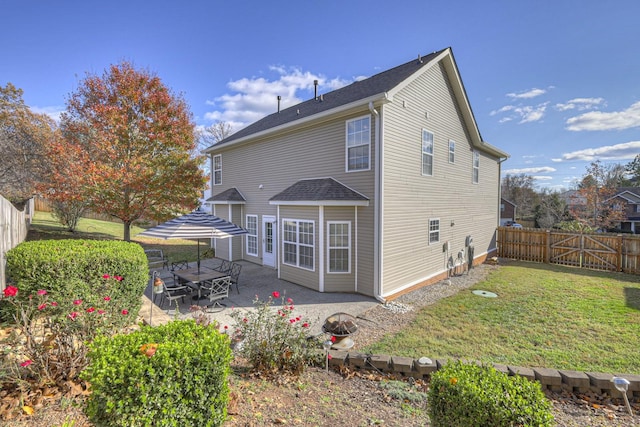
column 586, row 207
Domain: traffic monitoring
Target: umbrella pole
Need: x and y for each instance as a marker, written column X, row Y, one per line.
column 198, row 256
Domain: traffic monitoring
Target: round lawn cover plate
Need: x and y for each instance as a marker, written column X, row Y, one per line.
column 485, row 294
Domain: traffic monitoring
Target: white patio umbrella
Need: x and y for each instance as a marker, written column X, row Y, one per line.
column 195, row 225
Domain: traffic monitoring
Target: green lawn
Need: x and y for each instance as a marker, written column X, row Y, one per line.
column 548, row 316
column 544, row 316
column 44, row 226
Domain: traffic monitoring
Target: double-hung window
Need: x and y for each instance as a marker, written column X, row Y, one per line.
column 252, row 236
column 299, row 242
column 434, row 231
column 476, row 167
column 452, row 151
column 339, row 248
column 217, row 169
column 358, row 144
column 427, row 153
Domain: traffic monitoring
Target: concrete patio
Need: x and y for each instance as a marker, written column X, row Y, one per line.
column 256, row 280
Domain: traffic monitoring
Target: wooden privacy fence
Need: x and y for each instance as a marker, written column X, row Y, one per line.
column 596, row 251
column 14, row 225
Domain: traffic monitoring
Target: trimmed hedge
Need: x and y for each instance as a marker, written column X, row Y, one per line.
column 87, row 270
column 169, row 375
column 468, row 395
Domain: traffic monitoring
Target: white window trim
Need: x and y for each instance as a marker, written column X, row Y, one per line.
column 298, row 244
column 422, row 152
column 475, row 177
column 213, row 174
column 346, row 145
column 329, row 247
column 250, row 235
column 452, row 152
column 429, row 230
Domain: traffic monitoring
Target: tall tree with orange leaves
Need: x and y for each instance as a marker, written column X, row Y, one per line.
column 128, row 147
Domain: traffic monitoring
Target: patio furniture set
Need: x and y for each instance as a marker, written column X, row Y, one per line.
column 199, row 283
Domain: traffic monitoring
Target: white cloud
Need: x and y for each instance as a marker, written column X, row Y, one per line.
column 625, row 151
column 540, row 169
column 580, row 104
column 531, row 93
column 53, row 111
column 502, row 109
column 531, row 114
column 542, row 177
column 522, row 113
column 250, row 99
column 598, row 120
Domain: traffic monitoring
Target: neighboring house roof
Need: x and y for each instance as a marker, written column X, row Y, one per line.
column 230, row 196
column 507, row 201
column 319, row 191
column 630, row 194
column 378, row 88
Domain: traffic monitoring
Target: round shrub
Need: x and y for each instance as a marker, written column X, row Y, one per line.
column 170, row 375
column 82, row 270
column 468, row 395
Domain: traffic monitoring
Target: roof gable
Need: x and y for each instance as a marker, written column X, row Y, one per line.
column 378, row 88
column 230, row 196
column 319, row 191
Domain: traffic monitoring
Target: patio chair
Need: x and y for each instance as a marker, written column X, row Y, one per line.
column 234, row 273
column 173, row 293
column 216, row 290
column 179, row 265
column 224, row 266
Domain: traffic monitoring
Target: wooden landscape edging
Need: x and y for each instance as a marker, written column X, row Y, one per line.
column 596, row 251
column 550, row 379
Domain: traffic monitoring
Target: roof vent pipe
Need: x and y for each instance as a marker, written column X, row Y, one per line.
column 279, row 98
column 419, row 59
column 315, row 89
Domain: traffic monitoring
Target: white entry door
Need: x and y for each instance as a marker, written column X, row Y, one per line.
column 269, row 240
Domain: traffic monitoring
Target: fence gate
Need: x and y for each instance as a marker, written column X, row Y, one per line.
column 583, row 250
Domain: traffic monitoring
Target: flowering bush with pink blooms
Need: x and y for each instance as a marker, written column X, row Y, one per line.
column 48, row 344
column 273, row 339
column 84, row 270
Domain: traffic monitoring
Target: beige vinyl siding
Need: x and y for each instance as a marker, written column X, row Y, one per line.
column 291, row 273
column 237, row 245
column 275, row 163
column 222, row 245
column 411, row 199
column 340, row 282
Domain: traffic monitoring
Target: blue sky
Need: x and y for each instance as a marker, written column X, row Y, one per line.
column 555, row 83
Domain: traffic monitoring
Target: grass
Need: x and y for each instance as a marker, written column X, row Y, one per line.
column 45, row 227
column 544, row 316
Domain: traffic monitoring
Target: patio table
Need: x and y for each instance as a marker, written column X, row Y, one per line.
column 196, row 277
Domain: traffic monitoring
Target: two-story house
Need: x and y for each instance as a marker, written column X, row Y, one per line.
column 630, row 198
column 370, row 188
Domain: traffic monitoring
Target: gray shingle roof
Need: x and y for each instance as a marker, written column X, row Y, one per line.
column 230, row 195
column 318, row 189
column 379, row 83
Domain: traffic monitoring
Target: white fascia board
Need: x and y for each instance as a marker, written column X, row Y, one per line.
column 296, row 123
column 224, row 202
column 320, row 202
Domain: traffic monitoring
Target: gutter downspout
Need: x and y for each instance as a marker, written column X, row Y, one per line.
column 377, row 216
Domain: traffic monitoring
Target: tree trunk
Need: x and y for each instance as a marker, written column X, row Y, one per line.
column 127, row 231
